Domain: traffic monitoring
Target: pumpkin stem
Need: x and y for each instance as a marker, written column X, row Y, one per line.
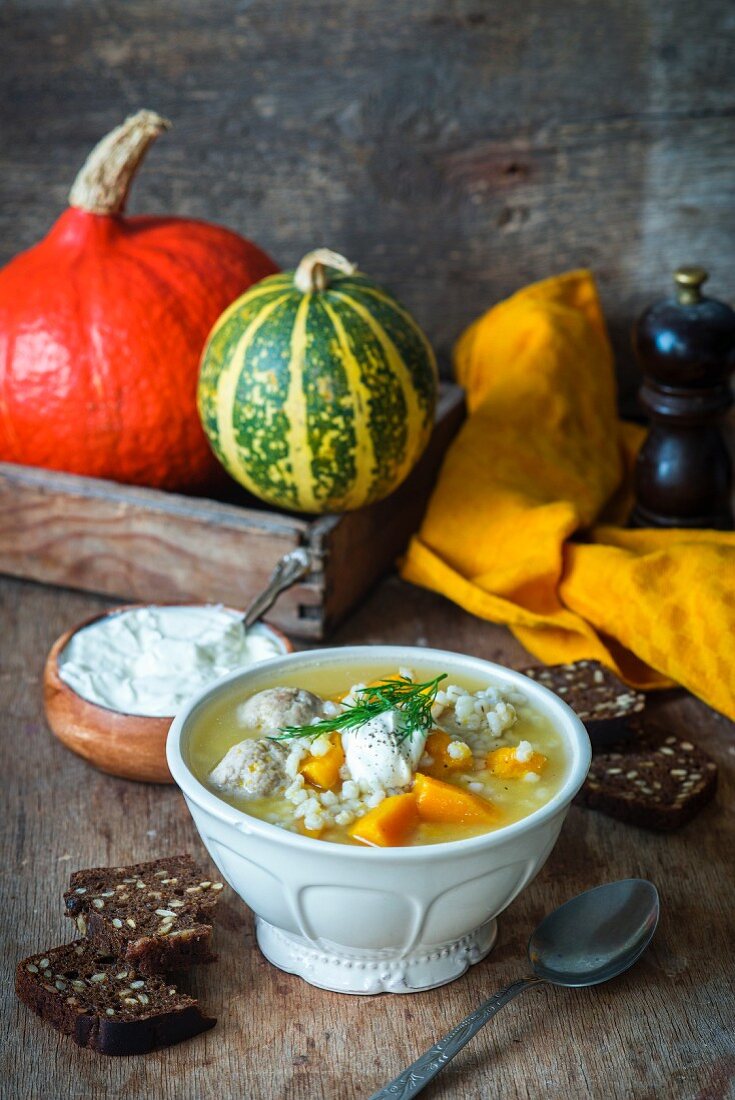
column 311, row 274
column 104, row 180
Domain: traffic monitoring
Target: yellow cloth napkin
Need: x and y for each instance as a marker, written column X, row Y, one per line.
column 542, row 460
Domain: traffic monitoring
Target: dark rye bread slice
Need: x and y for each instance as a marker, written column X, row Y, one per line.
column 105, row 1004
column 154, row 915
column 657, row 782
column 602, row 701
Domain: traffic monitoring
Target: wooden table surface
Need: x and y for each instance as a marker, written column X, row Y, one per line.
column 664, row 1030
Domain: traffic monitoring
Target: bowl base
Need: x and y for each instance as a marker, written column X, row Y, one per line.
column 362, row 973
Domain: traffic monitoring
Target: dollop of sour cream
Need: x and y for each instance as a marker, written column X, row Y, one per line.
column 375, row 756
column 150, row 660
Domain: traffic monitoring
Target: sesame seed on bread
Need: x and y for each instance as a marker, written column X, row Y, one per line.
column 155, row 915
column 657, row 781
column 603, row 702
column 105, row 1004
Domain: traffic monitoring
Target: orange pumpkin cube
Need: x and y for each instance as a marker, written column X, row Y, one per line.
column 437, row 746
column 389, row 824
column 445, row 804
column 323, row 771
column 504, row 763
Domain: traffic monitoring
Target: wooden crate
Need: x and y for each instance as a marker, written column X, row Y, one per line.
column 143, row 544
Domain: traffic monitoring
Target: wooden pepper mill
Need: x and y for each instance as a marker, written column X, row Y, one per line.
column 685, row 346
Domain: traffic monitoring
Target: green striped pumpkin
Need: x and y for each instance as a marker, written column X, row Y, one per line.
column 317, row 389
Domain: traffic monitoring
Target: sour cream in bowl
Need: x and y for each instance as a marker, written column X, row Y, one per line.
column 113, row 683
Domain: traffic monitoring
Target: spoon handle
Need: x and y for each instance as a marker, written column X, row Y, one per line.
column 412, row 1080
column 289, row 569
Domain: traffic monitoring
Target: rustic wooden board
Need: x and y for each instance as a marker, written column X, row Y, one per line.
column 663, row 1031
column 455, row 149
column 142, row 544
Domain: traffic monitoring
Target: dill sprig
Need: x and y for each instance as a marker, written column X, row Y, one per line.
column 413, row 701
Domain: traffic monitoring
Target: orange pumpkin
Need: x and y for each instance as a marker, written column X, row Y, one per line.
column 445, row 804
column 102, row 325
column 323, row 771
column 389, row 824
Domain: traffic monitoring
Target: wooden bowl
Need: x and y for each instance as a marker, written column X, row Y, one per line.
column 131, row 746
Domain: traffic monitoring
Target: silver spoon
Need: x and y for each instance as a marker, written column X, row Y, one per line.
column 588, row 940
column 289, row 569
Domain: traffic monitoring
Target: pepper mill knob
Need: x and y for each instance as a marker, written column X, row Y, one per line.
column 685, row 346
column 689, row 282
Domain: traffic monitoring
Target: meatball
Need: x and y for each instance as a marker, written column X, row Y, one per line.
column 251, row 768
column 275, row 708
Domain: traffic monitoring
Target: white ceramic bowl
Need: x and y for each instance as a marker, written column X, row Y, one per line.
column 375, row 920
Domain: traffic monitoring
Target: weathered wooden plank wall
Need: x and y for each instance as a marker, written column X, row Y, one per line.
column 455, row 148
